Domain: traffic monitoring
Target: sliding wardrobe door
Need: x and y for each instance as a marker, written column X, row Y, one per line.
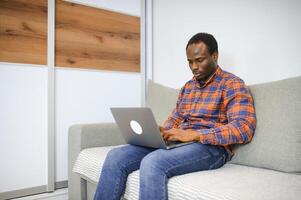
column 61, row 63
column 23, row 97
column 97, row 66
column 23, row 134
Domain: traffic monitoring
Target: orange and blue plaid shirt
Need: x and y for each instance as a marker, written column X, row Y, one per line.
column 220, row 109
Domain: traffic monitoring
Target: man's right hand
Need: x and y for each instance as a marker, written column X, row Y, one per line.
column 161, row 130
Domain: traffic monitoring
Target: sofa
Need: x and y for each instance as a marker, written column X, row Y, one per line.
column 268, row 168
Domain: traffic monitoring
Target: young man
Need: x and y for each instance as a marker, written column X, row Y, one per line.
column 214, row 108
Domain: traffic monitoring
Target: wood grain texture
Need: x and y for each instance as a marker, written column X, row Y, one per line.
column 94, row 38
column 23, row 31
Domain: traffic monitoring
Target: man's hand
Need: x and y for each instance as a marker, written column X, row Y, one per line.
column 179, row 135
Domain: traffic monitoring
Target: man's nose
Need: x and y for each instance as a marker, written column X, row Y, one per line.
column 194, row 66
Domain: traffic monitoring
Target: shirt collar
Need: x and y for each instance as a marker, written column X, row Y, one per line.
column 202, row 84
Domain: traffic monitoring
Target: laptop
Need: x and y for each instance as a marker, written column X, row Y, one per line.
column 138, row 127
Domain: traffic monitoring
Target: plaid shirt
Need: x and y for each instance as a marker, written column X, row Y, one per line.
column 220, row 109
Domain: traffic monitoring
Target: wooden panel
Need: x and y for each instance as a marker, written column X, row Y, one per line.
column 94, row 38
column 23, row 31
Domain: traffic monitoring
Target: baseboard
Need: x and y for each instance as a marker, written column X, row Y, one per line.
column 61, row 184
column 31, row 191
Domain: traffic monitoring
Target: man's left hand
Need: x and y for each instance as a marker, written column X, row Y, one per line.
column 181, row 135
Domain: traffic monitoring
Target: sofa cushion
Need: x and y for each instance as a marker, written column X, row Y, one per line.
column 277, row 140
column 161, row 100
column 89, row 162
column 229, row 182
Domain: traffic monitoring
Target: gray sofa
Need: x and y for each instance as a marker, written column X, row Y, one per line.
column 267, row 168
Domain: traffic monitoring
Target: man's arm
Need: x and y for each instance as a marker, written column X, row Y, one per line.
column 241, row 117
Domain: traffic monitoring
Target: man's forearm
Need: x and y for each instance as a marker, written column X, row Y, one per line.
column 236, row 132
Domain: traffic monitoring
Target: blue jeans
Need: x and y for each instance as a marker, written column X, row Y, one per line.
column 156, row 167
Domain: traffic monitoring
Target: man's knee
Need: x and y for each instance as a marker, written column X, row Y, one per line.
column 115, row 158
column 153, row 163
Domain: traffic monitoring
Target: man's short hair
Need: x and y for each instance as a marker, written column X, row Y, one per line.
column 207, row 38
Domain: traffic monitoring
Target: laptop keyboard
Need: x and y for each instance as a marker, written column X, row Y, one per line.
column 169, row 143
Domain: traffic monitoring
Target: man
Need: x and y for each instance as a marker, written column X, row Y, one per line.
column 214, row 108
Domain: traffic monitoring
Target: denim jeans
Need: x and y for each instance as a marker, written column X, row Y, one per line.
column 156, row 167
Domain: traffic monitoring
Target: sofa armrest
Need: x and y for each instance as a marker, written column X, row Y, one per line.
column 85, row 136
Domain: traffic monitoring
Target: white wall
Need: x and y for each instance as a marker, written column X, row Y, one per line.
column 130, row 7
column 258, row 40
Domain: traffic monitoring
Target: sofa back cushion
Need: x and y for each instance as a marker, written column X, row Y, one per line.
column 277, row 140
column 161, row 100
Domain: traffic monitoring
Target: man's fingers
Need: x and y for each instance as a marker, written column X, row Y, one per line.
column 161, row 129
column 167, row 134
column 172, row 138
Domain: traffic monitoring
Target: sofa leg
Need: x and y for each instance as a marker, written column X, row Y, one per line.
column 78, row 189
column 83, row 188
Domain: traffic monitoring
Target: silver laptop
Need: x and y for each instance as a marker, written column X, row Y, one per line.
column 138, row 127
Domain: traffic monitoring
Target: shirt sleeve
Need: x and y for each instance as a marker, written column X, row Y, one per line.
column 174, row 119
column 241, row 117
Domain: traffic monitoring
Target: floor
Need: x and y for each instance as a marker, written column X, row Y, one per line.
column 61, row 194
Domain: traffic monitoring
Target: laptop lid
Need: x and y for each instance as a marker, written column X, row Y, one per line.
column 138, row 126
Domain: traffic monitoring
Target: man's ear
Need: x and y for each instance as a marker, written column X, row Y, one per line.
column 215, row 56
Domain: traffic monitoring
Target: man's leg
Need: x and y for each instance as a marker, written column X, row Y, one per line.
column 159, row 165
column 119, row 163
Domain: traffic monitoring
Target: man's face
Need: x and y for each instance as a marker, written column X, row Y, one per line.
column 201, row 63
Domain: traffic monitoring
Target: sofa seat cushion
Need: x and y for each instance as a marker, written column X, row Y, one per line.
column 232, row 181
